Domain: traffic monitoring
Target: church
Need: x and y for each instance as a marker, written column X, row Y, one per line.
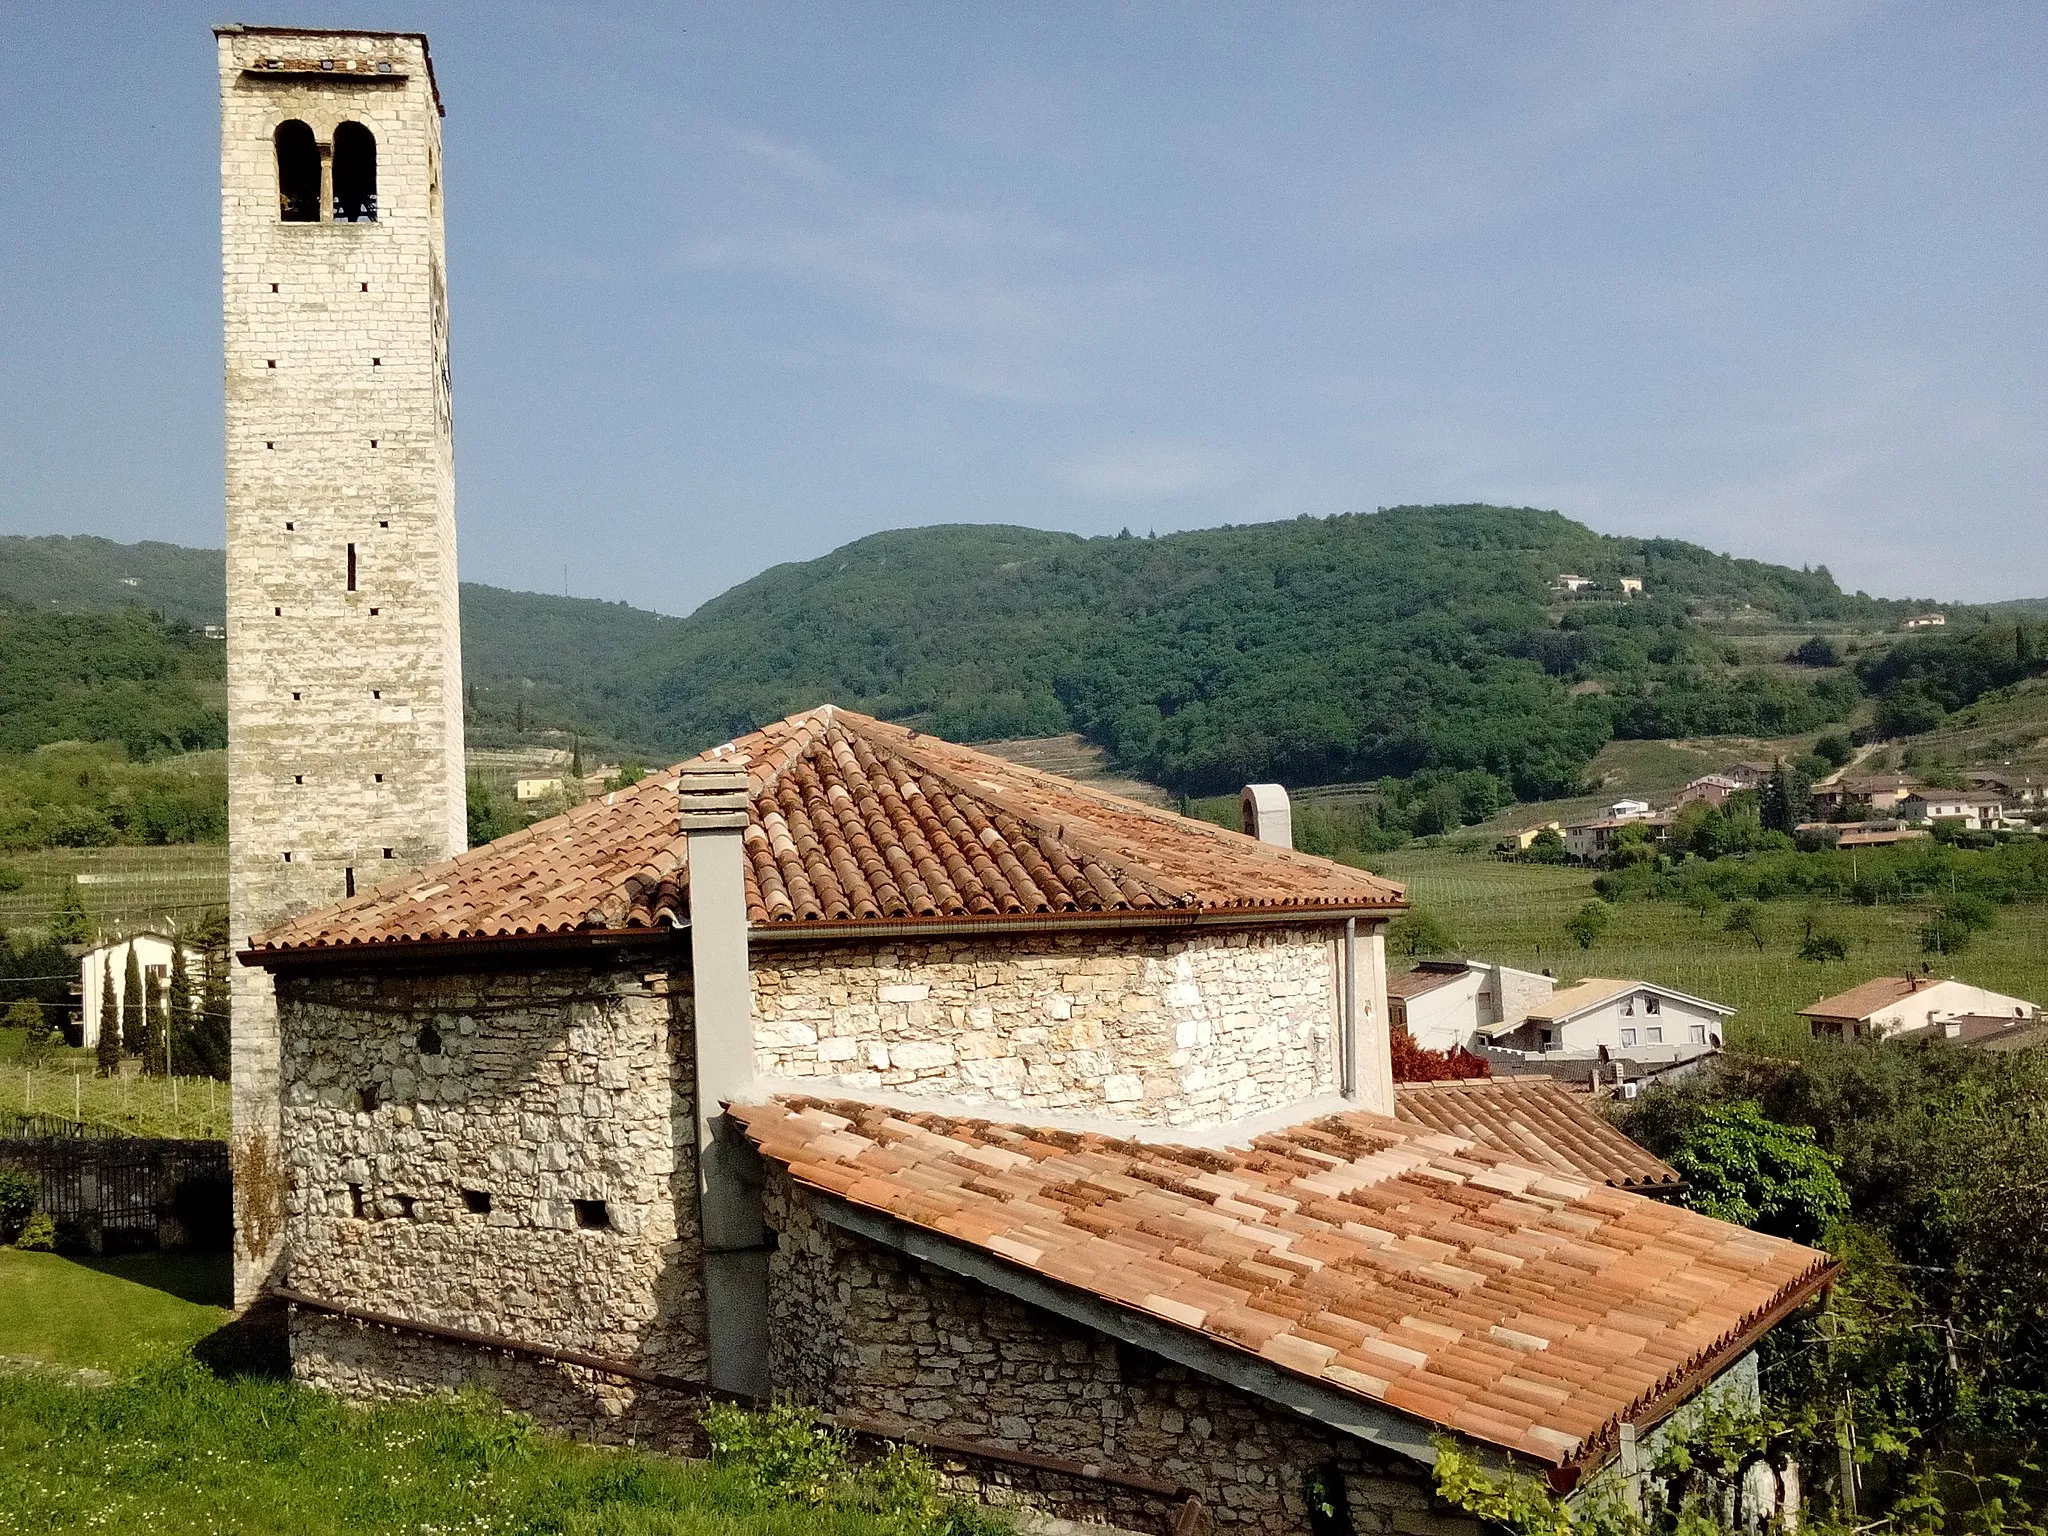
column 980, row 1109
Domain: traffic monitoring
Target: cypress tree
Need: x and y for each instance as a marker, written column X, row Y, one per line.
column 178, row 1011
column 132, row 1021
column 149, row 1043
column 210, row 1029
column 108, row 1055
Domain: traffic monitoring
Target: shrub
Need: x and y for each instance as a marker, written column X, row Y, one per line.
column 38, row 1234
column 1587, row 924
column 783, row 1453
column 1414, row 1064
column 18, row 1194
column 1417, row 932
column 1744, row 1167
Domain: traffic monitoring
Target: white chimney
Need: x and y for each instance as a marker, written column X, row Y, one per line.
column 713, row 802
column 1263, row 812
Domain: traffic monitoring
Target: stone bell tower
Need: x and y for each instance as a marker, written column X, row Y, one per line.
column 344, row 643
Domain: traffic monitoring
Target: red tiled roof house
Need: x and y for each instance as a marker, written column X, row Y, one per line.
column 976, row 1107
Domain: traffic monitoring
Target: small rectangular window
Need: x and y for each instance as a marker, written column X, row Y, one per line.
column 1697, row 1034
column 356, row 1206
column 407, row 1204
column 1656, row 1035
column 351, row 567
column 592, row 1214
column 348, row 882
column 287, row 856
column 1653, row 1005
column 478, row 1201
column 1628, row 1037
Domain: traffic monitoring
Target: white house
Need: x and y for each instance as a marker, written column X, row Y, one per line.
column 1631, row 586
column 1974, row 808
column 1571, row 581
column 1640, row 1019
column 1623, row 810
column 1444, row 1004
column 152, row 953
column 1926, row 621
column 1891, row 1005
column 535, row 789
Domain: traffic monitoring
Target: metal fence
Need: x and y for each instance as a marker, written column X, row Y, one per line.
column 116, row 1194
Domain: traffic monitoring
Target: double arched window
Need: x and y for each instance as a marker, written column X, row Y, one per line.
column 355, row 174
column 298, row 173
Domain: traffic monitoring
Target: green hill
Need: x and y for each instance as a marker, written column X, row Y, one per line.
column 1314, row 650
column 1418, row 641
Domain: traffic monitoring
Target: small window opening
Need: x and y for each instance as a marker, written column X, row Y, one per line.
column 376, row 362
column 287, row 856
column 1656, row 1034
column 1653, row 1005
column 1329, row 1504
column 366, row 287
column 376, row 693
column 298, row 173
column 355, row 175
column 407, row 1204
column 478, row 1201
column 380, row 779
column 373, row 613
column 430, row 1041
column 277, row 613
column 295, row 696
column 387, row 851
column 373, row 443
column 351, row 567
column 273, row 445
column 288, row 527
column 355, row 1202
column 273, row 287
column 298, row 778
column 366, row 1097
column 593, row 1214
column 348, row 882
column 382, row 522
column 270, row 362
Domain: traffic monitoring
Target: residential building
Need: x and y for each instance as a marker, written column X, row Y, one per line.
column 1713, row 788
column 1631, row 586
column 1624, row 810
column 1601, row 1017
column 1877, row 834
column 1445, row 1004
column 975, row 1107
column 1571, row 581
column 1925, row 621
column 1886, row 1006
column 1982, row 1032
column 1880, row 791
column 1974, row 808
column 153, row 953
column 1591, row 841
column 2015, row 789
column 535, row 789
column 1525, row 839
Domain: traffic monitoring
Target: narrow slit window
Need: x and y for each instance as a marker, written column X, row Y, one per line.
column 356, row 1205
column 351, row 567
column 355, row 176
column 298, row 173
column 348, row 882
column 593, row 1215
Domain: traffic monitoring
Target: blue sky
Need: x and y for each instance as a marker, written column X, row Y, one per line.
column 733, row 284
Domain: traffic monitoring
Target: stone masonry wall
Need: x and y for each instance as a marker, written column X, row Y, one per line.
column 547, row 1088
column 344, row 706
column 1174, row 1029
column 862, row 1331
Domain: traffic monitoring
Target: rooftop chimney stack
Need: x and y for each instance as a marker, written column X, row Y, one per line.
column 1263, row 812
column 713, row 802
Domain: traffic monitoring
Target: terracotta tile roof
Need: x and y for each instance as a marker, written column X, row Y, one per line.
column 1537, row 1122
column 1861, row 1002
column 851, row 820
column 1424, row 978
column 1522, row 1307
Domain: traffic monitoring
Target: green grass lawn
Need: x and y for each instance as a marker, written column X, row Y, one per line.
column 1515, row 913
column 111, row 1314
column 171, row 1448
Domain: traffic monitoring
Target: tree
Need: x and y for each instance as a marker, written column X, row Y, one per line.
column 1633, row 844
column 209, row 1053
column 1746, row 919
column 1418, row 932
column 108, row 1054
column 178, row 1012
column 1744, row 1167
column 135, row 1019
column 1414, row 1064
column 1546, row 848
column 1588, row 923
column 1784, row 799
column 69, row 923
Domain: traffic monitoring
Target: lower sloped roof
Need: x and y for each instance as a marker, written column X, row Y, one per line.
column 1418, row 1270
column 1537, row 1122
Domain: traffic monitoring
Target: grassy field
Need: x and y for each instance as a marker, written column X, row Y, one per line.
column 109, row 1314
column 1515, row 913
column 171, row 1448
column 65, row 1085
